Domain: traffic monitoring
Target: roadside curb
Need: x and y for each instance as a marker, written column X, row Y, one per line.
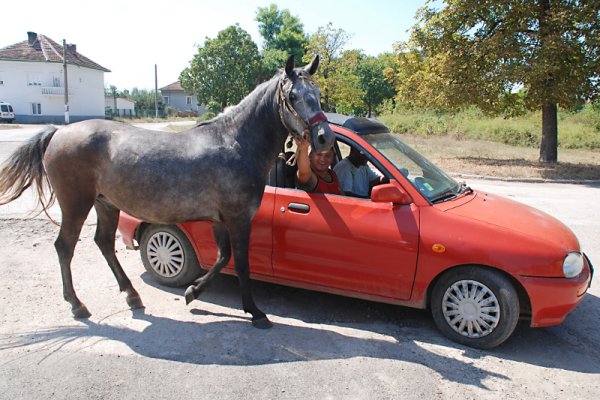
column 526, row 180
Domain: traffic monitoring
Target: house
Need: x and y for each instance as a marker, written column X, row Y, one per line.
column 32, row 80
column 175, row 97
column 119, row 107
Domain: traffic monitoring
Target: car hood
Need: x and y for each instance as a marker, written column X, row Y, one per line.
column 509, row 214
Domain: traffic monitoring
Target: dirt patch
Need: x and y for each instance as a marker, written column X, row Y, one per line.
column 490, row 159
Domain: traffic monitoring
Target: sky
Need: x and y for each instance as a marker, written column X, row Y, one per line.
column 130, row 37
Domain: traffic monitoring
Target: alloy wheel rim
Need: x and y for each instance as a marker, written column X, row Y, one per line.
column 471, row 309
column 165, row 254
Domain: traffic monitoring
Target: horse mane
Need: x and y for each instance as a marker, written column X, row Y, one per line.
column 233, row 110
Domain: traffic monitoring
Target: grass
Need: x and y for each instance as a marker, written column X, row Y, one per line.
column 580, row 130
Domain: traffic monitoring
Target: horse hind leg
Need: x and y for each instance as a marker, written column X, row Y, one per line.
column 108, row 220
column 223, row 257
column 72, row 222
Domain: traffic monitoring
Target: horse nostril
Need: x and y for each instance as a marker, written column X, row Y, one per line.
column 321, row 138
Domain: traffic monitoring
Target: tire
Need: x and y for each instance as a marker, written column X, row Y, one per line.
column 168, row 256
column 475, row 306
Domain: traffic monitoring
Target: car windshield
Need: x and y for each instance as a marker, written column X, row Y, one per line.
column 432, row 182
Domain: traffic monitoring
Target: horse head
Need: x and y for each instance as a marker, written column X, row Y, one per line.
column 300, row 105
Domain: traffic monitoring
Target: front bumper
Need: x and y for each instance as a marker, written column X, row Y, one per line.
column 552, row 299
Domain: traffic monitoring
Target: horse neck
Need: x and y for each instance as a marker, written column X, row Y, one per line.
column 261, row 130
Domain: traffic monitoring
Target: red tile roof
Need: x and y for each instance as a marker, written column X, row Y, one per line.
column 175, row 86
column 46, row 50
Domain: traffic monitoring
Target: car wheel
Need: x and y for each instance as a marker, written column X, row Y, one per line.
column 168, row 256
column 475, row 306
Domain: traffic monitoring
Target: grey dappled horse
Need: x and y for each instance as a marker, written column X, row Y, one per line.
column 215, row 171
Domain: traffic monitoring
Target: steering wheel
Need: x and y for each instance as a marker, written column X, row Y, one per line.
column 420, row 184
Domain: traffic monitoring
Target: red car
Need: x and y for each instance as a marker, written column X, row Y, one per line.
column 478, row 261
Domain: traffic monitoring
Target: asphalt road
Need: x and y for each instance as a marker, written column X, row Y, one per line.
column 321, row 347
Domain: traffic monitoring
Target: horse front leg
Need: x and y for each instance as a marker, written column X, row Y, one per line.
column 223, row 257
column 240, row 237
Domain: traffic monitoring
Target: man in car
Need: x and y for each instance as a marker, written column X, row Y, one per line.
column 355, row 176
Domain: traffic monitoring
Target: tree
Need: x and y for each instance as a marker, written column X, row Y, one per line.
column 373, row 82
column 283, row 35
column 328, row 43
column 281, row 30
column 344, row 84
column 144, row 102
column 481, row 51
column 225, row 69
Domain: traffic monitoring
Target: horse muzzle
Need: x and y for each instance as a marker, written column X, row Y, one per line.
column 322, row 137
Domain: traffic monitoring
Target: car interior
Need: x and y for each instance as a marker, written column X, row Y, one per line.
column 283, row 173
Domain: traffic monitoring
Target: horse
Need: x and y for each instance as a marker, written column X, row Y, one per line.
column 215, row 171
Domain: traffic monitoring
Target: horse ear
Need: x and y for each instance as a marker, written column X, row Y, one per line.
column 289, row 65
column 312, row 67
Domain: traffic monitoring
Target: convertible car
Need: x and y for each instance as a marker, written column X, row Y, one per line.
column 478, row 261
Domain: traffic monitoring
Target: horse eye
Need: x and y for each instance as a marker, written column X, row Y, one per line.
column 292, row 96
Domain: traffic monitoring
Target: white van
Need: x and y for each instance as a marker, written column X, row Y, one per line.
column 6, row 112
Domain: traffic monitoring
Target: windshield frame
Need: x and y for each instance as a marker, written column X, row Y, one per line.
column 443, row 186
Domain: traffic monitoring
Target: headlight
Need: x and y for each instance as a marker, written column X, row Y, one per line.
column 573, row 265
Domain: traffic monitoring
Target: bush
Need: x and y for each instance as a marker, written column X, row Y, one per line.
column 206, row 116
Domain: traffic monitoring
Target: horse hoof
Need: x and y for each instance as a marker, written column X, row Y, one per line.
column 190, row 295
column 262, row 323
column 135, row 302
column 81, row 312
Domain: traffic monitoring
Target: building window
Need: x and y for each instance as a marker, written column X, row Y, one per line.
column 166, row 99
column 188, row 100
column 34, row 80
column 56, row 81
column 36, row 108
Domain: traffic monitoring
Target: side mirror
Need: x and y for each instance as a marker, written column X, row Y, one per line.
column 390, row 193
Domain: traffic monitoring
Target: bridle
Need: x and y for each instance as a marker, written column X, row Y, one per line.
column 286, row 106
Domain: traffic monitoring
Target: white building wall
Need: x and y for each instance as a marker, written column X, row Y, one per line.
column 26, row 83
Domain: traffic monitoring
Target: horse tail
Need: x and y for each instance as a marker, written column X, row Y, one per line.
column 25, row 168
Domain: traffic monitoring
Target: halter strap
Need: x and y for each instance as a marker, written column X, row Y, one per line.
column 284, row 104
column 317, row 118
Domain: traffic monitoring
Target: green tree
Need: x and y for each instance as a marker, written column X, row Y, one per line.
column 281, row 30
column 327, row 43
column 375, row 86
column 480, row 51
column 144, row 102
column 344, row 83
column 283, row 35
column 225, row 69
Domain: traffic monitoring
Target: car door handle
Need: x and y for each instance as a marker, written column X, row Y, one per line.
column 299, row 207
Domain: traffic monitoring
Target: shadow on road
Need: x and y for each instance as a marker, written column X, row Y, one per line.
column 350, row 328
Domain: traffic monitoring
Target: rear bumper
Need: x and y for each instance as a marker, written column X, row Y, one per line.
column 552, row 299
column 128, row 226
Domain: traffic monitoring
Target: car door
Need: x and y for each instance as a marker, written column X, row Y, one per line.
column 344, row 243
column 261, row 239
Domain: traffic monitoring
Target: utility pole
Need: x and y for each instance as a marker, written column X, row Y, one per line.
column 114, row 93
column 66, row 82
column 155, row 92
